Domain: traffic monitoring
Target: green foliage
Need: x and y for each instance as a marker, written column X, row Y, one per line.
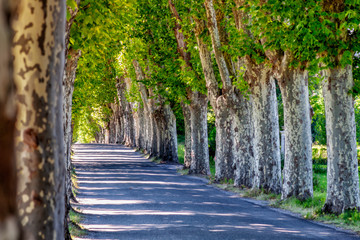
column 318, row 124
column 357, row 118
column 319, row 154
column 211, row 132
column 351, row 216
column 280, row 107
column 313, row 31
column 98, row 31
column 181, row 148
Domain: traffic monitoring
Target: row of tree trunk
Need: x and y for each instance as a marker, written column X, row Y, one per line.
column 148, row 125
column 247, row 129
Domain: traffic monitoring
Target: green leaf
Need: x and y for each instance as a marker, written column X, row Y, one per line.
column 72, row 4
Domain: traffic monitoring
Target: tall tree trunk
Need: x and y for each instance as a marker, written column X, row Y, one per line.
column 159, row 123
column 170, row 145
column 68, row 89
column 199, row 135
column 187, row 143
column 243, row 148
column 130, row 117
column 224, row 153
column 153, row 134
column 298, row 177
column 267, row 164
column 9, row 226
column 127, row 121
column 342, row 166
column 198, row 109
column 149, row 112
column 224, row 168
column 107, row 133
column 266, row 126
column 136, row 129
column 141, row 127
column 38, row 51
column 225, row 137
column 71, row 59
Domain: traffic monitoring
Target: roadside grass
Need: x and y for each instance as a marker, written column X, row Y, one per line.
column 184, row 171
column 181, row 154
column 156, row 160
column 74, row 225
column 181, row 148
column 310, row 209
column 74, row 182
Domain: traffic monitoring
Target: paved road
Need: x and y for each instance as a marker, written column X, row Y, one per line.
column 124, row 196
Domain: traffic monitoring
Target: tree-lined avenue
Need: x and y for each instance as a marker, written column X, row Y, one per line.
column 122, row 195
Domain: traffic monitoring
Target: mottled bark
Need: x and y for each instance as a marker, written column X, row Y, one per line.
column 141, row 127
column 187, row 143
column 71, row 59
column 107, row 133
column 224, row 153
column 199, row 136
column 115, row 130
column 267, row 165
column 266, row 132
column 243, row 144
column 342, row 165
column 130, row 120
column 136, row 127
column 9, row 226
column 158, row 117
column 297, row 180
column 224, row 168
column 207, row 65
column 112, row 124
column 224, row 105
column 170, row 145
column 217, row 35
column 68, row 89
column 126, row 114
column 199, row 159
column 151, row 134
column 38, row 52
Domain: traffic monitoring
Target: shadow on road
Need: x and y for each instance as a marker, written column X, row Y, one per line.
column 125, row 196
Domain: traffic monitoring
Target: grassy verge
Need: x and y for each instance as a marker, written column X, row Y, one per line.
column 75, row 216
column 309, row 209
column 74, row 182
column 181, row 154
column 74, row 225
column 181, row 148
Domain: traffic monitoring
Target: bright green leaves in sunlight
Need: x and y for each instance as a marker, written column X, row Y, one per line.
column 100, row 30
column 313, row 31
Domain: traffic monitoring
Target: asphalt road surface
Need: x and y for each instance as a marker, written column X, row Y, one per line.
column 125, row 196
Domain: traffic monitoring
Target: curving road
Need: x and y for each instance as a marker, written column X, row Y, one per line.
column 125, row 196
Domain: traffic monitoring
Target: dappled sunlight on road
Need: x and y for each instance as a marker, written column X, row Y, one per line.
column 122, row 195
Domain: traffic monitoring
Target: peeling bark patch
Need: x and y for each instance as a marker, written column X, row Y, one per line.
column 23, row 42
column 22, row 72
column 41, row 39
column 21, row 99
column 29, row 25
column 28, row 118
column 30, row 138
column 36, row 199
